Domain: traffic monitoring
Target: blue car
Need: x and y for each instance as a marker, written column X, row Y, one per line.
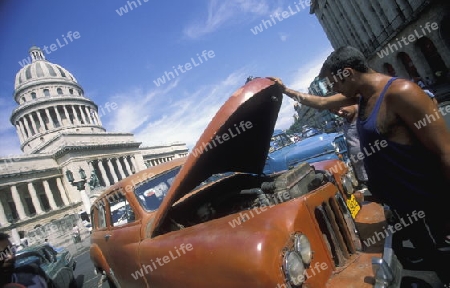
column 57, row 264
column 285, row 154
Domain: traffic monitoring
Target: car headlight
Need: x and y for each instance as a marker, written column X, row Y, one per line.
column 347, row 184
column 303, row 246
column 336, row 147
column 294, row 268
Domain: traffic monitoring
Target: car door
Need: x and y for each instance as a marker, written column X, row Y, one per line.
column 101, row 232
column 60, row 274
column 123, row 242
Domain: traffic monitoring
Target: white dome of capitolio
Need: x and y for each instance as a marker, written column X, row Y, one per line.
column 51, row 103
column 40, row 69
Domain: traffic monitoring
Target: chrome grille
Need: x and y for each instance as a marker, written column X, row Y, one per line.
column 341, row 144
column 342, row 240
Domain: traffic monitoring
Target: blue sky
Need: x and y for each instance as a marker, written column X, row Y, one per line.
column 119, row 56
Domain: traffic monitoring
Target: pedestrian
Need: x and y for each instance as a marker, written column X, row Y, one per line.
column 25, row 276
column 410, row 171
column 350, row 113
column 426, row 88
column 76, row 234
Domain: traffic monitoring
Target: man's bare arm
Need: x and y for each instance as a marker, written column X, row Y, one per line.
column 414, row 107
column 331, row 102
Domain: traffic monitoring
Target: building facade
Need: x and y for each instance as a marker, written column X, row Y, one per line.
column 311, row 117
column 405, row 38
column 61, row 134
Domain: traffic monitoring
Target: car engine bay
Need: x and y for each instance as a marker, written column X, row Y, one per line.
column 237, row 192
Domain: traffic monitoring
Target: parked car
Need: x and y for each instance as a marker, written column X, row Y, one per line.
column 214, row 219
column 310, row 132
column 58, row 266
column 285, row 154
column 331, row 126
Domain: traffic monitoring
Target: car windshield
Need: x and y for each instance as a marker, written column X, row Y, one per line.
column 278, row 142
column 28, row 258
column 151, row 193
column 310, row 132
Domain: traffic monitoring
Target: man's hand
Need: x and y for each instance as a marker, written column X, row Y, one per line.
column 278, row 82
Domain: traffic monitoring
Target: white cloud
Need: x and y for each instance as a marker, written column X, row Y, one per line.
column 167, row 116
column 133, row 108
column 306, row 74
column 173, row 115
column 299, row 81
column 283, row 36
column 221, row 13
column 9, row 140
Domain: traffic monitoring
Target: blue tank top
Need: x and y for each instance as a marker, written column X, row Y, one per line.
column 406, row 177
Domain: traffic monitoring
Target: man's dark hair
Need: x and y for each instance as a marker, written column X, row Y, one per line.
column 345, row 57
column 4, row 236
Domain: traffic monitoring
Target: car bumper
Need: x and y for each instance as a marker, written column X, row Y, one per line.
column 388, row 269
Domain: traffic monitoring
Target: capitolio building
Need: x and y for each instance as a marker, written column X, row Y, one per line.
column 67, row 153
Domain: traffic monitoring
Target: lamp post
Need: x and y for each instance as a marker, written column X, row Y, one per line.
column 80, row 187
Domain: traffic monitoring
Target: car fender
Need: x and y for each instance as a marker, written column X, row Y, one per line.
column 99, row 259
column 336, row 167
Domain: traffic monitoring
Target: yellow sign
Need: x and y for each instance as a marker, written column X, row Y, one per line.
column 353, row 205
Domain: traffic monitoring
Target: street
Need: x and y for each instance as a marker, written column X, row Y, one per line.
column 84, row 273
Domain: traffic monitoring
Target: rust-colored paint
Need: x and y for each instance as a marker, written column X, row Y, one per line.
column 247, row 255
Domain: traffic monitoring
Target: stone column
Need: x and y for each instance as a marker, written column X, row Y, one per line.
column 18, row 202
column 28, row 126
column 19, row 133
column 111, row 170
column 50, row 121
column 33, row 123
column 22, row 128
column 49, row 194
column 41, row 121
column 3, row 220
column 34, row 198
column 103, row 172
column 62, row 191
column 88, row 115
column 82, row 114
column 98, row 118
column 66, row 113
column 127, row 165
column 120, row 168
column 58, row 116
column 75, row 115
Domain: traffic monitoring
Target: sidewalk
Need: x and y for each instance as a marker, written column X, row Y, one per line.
column 78, row 248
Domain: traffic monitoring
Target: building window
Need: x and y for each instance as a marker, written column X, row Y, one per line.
column 33, row 95
column 22, row 99
column 46, row 92
column 71, row 91
column 59, row 91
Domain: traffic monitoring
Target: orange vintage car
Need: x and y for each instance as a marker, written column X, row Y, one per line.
column 213, row 219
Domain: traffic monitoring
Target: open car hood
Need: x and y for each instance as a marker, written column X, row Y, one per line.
column 236, row 140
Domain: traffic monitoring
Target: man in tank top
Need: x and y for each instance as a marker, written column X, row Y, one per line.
column 406, row 144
